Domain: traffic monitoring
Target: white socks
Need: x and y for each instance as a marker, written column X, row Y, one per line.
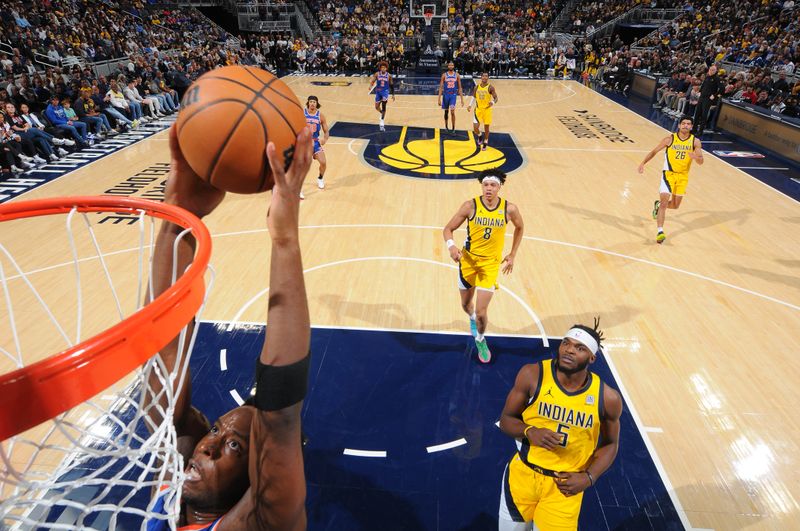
column 473, row 317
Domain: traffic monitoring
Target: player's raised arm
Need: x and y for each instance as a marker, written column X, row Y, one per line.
column 464, row 211
column 276, row 497
column 187, row 190
column 665, row 142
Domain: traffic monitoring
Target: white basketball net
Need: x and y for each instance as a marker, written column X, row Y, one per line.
column 98, row 465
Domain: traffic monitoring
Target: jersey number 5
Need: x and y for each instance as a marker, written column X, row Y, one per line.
column 487, row 233
column 562, row 430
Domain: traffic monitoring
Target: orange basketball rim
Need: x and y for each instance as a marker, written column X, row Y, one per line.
column 40, row 391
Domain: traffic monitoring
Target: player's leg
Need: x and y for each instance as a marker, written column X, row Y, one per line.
column 485, row 135
column 555, row 511
column 678, row 190
column 383, row 111
column 485, row 287
column 476, row 127
column 466, row 290
column 446, row 114
column 323, row 165
column 665, row 190
column 483, row 297
column 675, row 202
column 661, row 216
column 453, row 114
column 518, row 497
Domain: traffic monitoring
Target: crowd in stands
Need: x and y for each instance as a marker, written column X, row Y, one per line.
column 51, row 103
column 761, row 38
column 58, row 104
column 590, row 16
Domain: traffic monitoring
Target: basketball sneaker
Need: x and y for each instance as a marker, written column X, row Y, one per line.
column 302, row 196
column 473, row 327
column 383, row 128
column 320, row 183
column 655, row 208
column 660, row 237
column 483, row 351
column 484, row 146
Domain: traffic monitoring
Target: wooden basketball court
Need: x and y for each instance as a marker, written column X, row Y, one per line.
column 701, row 331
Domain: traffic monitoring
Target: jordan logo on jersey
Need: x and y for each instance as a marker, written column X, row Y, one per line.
column 431, row 153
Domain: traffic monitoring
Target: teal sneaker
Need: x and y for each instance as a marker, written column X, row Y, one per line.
column 473, row 327
column 655, row 208
column 483, row 351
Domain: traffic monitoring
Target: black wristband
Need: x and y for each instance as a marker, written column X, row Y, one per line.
column 281, row 387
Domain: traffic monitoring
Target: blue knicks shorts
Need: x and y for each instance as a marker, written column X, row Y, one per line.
column 317, row 147
column 449, row 101
column 381, row 95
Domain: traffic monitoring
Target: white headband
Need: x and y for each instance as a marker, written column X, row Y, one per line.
column 582, row 336
column 491, row 178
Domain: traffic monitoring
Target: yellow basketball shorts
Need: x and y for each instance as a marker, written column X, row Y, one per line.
column 673, row 182
column 528, row 496
column 477, row 272
column 483, row 115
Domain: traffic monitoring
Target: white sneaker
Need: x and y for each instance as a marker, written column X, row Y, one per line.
column 69, row 142
column 58, row 141
column 26, row 158
column 113, row 132
column 63, row 152
column 302, row 196
column 14, row 169
column 39, row 160
column 27, row 165
column 53, row 157
column 321, row 184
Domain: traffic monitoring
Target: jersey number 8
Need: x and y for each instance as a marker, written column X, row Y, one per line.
column 487, row 233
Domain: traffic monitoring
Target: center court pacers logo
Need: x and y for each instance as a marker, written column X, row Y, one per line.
column 431, row 153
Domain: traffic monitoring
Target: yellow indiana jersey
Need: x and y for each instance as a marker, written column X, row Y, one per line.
column 676, row 156
column 486, row 230
column 483, row 97
column 576, row 415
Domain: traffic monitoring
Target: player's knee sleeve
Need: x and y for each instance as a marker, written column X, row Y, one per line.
column 446, row 114
column 383, row 106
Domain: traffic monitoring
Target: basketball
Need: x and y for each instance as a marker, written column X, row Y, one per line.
column 227, row 117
